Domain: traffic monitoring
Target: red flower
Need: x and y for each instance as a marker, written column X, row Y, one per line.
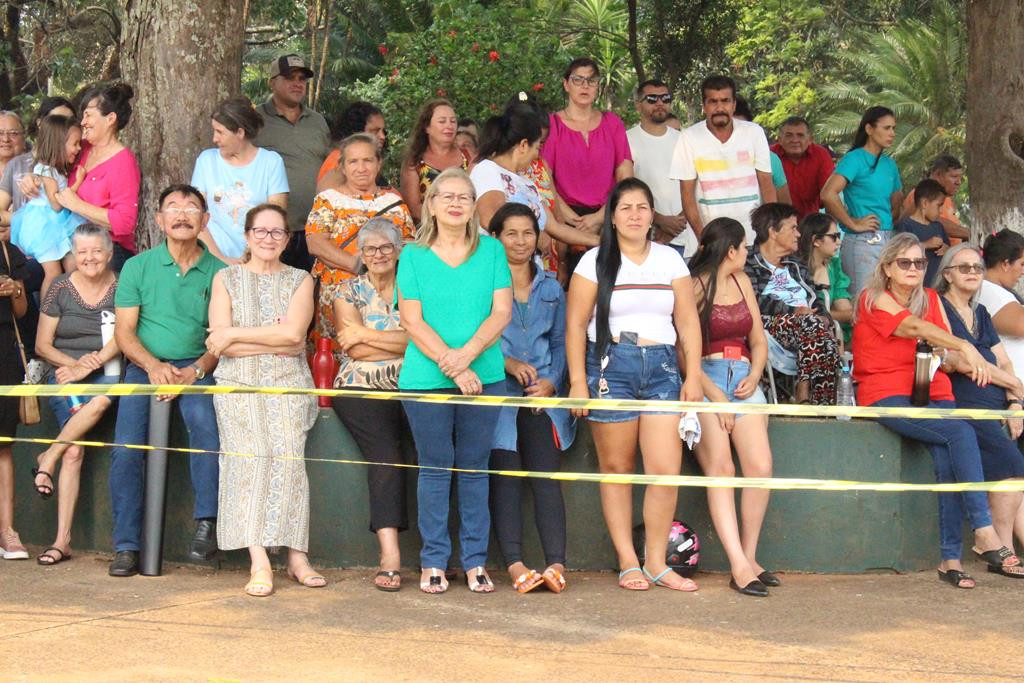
column 493, row 107
column 382, row 49
column 537, row 87
column 433, row 60
column 493, row 55
column 394, row 75
column 475, row 47
column 441, row 92
column 452, row 34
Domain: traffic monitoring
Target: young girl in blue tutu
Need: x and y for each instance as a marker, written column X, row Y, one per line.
column 42, row 227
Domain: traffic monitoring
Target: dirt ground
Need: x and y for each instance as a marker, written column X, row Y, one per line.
column 73, row 622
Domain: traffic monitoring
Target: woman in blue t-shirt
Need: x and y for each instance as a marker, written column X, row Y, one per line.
column 872, row 194
column 961, row 272
column 454, row 300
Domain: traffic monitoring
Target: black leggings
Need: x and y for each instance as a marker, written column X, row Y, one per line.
column 537, row 453
column 377, row 428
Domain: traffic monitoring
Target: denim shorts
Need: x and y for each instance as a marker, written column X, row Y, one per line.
column 727, row 374
column 647, row 373
column 62, row 408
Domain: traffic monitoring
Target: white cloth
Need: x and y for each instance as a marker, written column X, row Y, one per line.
column 643, row 299
column 726, row 172
column 488, row 176
column 689, row 429
column 652, row 159
column 994, row 297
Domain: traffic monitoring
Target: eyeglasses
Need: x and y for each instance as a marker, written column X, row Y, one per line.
column 383, row 250
column 452, row 198
column 11, row 133
column 907, row 263
column 181, row 211
column 968, row 268
column 580, row 81
column 834, row 236
column 663, row 97
column 274, row 233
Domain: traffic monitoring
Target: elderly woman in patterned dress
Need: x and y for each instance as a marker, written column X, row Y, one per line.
column 337, row 215
column 259, row 313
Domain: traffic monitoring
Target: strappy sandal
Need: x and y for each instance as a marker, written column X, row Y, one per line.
column 390, row 576
column 527, row 581
column 553, row 580
column 47, row 560
column 955, row 578
column 480, row 583
column 310, row 580
column 43, row 490
column 689, row 585
column 626, row 584
column 257, row 587
column 435, row 583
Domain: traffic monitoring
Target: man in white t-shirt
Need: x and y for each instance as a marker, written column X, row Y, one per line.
column 723, row 165
column 651, row 144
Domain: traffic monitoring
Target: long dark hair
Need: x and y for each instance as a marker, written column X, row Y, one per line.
column 870, row 118
column 418, row 141
column 609, row 258
column 813, row 226
column 501, row 133
column 719, row 236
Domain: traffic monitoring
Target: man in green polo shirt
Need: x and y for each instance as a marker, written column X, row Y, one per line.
column 302, row 138
column 162, row 299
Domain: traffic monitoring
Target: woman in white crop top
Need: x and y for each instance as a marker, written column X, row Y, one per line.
column 630, row 299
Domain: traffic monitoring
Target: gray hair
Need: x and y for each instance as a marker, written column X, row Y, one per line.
column 382, row 226
column 940, row 283
column 93, row 230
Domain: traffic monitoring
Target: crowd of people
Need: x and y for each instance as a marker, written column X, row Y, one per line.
column 538, row 254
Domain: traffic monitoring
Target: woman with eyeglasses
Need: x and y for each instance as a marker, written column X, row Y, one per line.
column 586, row 151
column 12, row 137
column 869, row 181
column 455, row 299
column 334, row 222
column 259, row 313
column 894, row 311
column 958, row 280
column 818, row 246
column 373, row 344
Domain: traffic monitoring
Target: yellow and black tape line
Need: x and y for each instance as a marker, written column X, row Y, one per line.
column 776, row 484
column 781, row 409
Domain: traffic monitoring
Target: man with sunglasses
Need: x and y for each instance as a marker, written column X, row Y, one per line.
column 651, row 143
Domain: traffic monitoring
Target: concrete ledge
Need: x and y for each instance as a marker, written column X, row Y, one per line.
column 808, row 531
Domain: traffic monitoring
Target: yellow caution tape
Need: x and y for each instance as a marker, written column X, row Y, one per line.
column 784, row 409
column 776, row 484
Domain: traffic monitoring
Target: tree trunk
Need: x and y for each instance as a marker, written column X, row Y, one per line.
column 182, row 57
column 995, row 115
column 634, row 50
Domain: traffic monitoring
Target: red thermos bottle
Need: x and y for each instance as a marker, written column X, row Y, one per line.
column 323, row 369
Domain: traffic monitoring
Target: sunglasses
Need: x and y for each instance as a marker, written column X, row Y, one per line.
column 968, row 268
column 907, row 263
column 834, row 236
column 651, row 99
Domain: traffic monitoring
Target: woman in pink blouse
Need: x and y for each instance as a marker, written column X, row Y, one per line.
column 105, row 187
column 586, row 150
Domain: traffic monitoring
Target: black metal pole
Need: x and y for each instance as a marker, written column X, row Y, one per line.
column 152, row 556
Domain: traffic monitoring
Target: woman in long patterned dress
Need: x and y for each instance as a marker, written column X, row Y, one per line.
column 259, row 313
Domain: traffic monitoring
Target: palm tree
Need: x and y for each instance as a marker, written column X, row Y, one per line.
column 918, row 70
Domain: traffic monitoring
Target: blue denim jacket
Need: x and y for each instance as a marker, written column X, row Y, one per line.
column 538, row 338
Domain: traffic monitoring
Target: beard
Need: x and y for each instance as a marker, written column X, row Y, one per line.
column 659, row 116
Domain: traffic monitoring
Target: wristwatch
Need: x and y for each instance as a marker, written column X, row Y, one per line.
column 200, row 373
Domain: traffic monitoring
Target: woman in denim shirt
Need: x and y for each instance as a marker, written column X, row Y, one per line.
column 529, row 439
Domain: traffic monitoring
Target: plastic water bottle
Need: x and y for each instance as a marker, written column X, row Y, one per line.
column 844, row 393
column 112, row 367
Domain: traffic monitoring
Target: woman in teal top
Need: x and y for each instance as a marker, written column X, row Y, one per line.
column 454, row 299
column 870, row 183
column 819, row 248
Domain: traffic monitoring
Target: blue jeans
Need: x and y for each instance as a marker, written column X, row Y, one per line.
column 859, row 258
column 127, row 474
column 449, row 435
column 645, row 373
column 954, row 449
column 61, row 405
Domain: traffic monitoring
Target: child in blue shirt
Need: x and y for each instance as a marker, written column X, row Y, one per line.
column 929, row 196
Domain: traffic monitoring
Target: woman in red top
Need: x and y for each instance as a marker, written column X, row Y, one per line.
column 894, row 311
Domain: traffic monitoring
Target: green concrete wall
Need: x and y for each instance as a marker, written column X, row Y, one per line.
column 804, row 530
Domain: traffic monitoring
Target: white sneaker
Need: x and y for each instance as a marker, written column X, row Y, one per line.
column 10, row 544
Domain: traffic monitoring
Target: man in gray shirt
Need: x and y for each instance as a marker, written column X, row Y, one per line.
column 302, row 138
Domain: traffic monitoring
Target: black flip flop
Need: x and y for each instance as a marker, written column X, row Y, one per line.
column 389, row 575
column 40, row 488
column 56, row 560
column 994, row 561
column 953, row 577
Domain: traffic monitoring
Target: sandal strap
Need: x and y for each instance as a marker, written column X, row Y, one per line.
column 46, row 553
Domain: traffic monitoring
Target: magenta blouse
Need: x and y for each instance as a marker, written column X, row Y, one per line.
column 585, row 173
column 114, row 185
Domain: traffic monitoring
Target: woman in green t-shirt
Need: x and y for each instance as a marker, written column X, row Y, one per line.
column 819, row 248
column 454, row 300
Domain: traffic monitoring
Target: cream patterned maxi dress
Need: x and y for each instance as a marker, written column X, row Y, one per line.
column 263, row 500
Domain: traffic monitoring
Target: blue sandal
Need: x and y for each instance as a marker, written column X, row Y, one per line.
column 688, row 586
column 622, row 584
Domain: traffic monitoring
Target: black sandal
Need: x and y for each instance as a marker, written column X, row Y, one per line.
column 994, row 561
column 52, row 560
column 43, row 490
column 390, row 575
column 954, row 577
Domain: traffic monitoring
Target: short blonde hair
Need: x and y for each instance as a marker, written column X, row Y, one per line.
column 878, row 284
column 428, row 223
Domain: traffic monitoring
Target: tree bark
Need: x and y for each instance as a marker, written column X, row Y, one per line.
column 995, row 115
column 182, row 57
column 634, row 50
